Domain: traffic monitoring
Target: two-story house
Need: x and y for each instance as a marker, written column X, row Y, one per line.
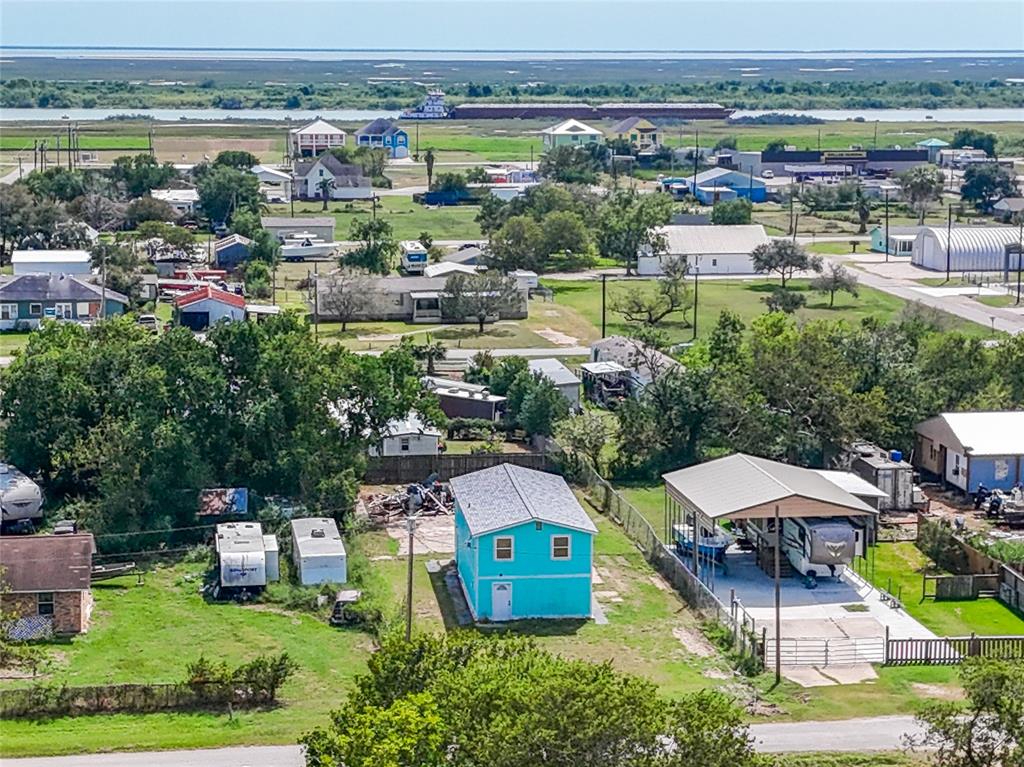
column 524, row 545
column 383, row 133
column 28, row 299
column 344, row 181
column 313, row 139
column 638, row 131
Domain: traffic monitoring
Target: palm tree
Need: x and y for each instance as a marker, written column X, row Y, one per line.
column 922, row 185
column 428, row 158
column 429, row 352
column 862, row 208
column 325, row 186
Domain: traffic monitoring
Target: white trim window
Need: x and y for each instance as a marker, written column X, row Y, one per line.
column 504, row 548
column 63, row 311
column 561, row 547
column 35, row 310
column 8, row 311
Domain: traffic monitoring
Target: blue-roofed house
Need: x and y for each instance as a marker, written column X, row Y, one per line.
column 385, row 134
column 718, row 185
column 523, row 545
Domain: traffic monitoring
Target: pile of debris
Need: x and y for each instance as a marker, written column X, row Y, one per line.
column 426, row 499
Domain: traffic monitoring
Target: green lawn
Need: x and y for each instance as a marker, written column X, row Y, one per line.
column 901, row 565
column 407, row 218
column 24, row 142
column 149, row 632
column 11, row 340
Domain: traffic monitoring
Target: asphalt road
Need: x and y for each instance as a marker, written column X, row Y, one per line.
column 883, row 733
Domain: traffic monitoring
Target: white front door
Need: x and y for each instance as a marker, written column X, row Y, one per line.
column 501, row 601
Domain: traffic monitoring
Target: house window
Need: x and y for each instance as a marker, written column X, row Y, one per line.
column 560, row 548
column 44, row 603
column 63, row 311
column 8, row 311
column 714, row 262
column 404, row 444
column 538, row 525
column 503, row 549
column 35, row 310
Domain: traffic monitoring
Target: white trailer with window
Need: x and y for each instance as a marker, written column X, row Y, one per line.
column 414, row 256
column 242, row 555
column 318, row 551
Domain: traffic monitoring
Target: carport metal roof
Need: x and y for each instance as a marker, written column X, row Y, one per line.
column 746, row 487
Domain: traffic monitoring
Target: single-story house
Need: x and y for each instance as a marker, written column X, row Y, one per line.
column 447, row 268
column 563, row 379
column 970, row 248
column 718, row 185
column 642, row 363
column 275, row 183
column 722, row 249
column 968, row 449
column 231, row 251
column 314, row 138
column 638, row 131
column 347, row 180
column 570, row 133
column 282, row 227
column 206, row 306
column 524, row 545
column 510, row 174
column 408, row 436
column 901, row 239
column 184, row 201
column 318, row 552
column 44, row 583
column 385, row 134
column 418, row 299
column 51, row 262
column 1008, row 207
column 27, row 299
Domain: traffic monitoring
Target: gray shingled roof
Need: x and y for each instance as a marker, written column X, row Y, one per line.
column 732, row 484
column 53, row 287
column 331, row 163
column 506, row 496
column 378, row 127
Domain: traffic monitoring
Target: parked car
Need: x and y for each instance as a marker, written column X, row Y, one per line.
column 148, row 321
column 767, row 174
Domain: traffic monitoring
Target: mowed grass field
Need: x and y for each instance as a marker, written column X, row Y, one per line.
column 407, row 219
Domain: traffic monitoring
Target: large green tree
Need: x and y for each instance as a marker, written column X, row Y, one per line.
column 224, row 190
column 985, row 183
column 377, row 248
column 922, row 185
column 629, row 222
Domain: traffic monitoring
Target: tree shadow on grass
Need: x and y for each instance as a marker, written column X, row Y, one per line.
column 464, row 333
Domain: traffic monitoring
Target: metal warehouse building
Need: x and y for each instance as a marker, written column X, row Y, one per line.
column 971, row 248
column 966, row 449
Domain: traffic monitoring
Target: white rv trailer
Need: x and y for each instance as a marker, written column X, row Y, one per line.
column 246, row 557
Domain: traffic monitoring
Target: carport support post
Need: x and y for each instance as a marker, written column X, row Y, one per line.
column 778, row 595
column 411, row 525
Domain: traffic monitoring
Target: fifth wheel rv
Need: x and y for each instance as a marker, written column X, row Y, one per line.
column 814, row 546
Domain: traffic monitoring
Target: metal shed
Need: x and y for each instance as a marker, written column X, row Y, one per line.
column 967, row 248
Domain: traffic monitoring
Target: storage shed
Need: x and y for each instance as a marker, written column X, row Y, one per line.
column 318, row 551
column 231, row 251
column 968, row 449
column 971, row 248
column 207, row 306
column 561, row 377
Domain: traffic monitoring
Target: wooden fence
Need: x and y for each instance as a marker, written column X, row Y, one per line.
column 1011, row 589
column 951, row 650
column 959, row 586
column 404, row 469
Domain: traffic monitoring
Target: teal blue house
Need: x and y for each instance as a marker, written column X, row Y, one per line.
column 523, row 545
column 384, row 134
column 28, row 299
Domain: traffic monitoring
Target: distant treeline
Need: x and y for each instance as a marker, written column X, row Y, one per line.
column 763, row 94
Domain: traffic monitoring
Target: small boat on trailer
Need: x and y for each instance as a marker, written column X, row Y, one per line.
column 711, row 542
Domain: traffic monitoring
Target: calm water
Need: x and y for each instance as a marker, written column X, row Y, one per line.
column 365, row 115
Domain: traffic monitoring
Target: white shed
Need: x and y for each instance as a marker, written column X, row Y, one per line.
column 51, row 262
column 318, row 551
column 408, row 436
column 563, row 379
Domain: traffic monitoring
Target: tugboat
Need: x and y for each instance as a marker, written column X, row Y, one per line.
column 433, row 108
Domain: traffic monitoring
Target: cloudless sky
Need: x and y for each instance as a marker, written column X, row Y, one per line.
column 550, row 25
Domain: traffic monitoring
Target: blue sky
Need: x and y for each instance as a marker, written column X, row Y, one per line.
column 932, row 25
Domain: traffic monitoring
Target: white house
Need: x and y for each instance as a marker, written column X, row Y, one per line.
column 970, row 248
column 408, row 436
column 347, row 182
column 312, row 139
column 561, row 377
column 570, row 133
column 275, row 183
column 183, row 201
column 318, row 552
column 711, row 249
column 51, row 262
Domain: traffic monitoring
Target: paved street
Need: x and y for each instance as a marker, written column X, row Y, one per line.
column 883, row 733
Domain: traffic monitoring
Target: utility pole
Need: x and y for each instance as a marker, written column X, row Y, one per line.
column 604, row 291
column 696, row 155
column 316, row 300
column 886, row 226
column 410, row 523
column 819, row 139
column 778, row 601
column 874, row 141
column 949, row 236
column 417, row 141
column 531, row 156
column 1020, row 254
column 696, row 286
column 69, row 145
column 20, row 172
column 103, row 282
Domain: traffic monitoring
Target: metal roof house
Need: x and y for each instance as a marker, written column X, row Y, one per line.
column 524, row 545
column 206, row 306
column 901, row 239
column 45, row 583
column 347, row 180
column 642, row 363
column 719, row 184
column 28, row 299
column 968, row 449
column 969, row 249
column 722, row 249
column 318, row 551
column 570, row 133
column 231, row 251
column 51, row 262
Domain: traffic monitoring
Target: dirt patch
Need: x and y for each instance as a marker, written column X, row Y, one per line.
column 198, row 149
column 762, row 708
column 938, row 691
column 694, row 641
column 557, row 337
